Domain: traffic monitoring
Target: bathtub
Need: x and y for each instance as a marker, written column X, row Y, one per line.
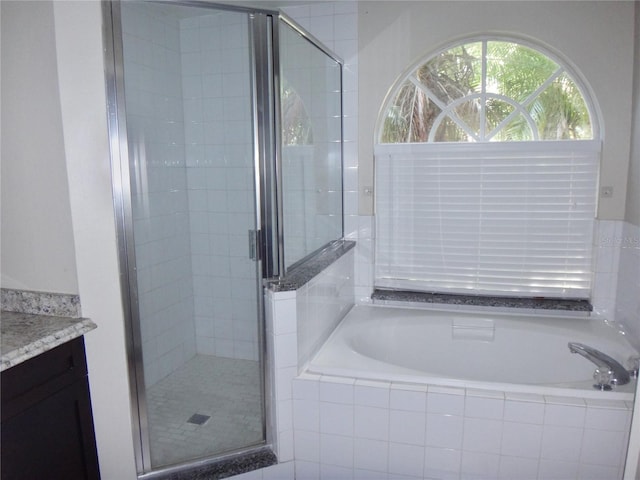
column 489, row 351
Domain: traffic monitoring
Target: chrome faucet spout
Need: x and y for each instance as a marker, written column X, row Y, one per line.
column 619, row 375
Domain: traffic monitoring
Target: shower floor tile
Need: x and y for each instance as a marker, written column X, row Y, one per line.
column 225, row 389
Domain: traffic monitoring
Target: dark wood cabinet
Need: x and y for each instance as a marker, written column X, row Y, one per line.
column 47, row 426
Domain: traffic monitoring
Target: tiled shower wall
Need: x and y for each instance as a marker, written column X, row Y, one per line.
column 188, row 106
column 219, row 165
column 159, row 189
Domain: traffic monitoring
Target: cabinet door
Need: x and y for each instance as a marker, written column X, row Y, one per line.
column 52, row 439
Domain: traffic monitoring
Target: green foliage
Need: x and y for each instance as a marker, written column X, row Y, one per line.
column 481, row 105
column 296, row 124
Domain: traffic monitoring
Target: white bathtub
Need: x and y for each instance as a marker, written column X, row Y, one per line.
column 504, row 352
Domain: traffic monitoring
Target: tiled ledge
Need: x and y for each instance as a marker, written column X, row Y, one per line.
column 382, row 296
column 40, row 303
column 303, row 273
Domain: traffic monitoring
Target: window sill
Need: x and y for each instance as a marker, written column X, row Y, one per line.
column 572, row 305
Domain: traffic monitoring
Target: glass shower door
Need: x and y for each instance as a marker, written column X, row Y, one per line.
column 196, row 318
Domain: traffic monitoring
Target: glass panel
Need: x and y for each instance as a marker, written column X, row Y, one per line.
column 469, row 113
column 516, row 71
column 296, row 124
column 188, row 104
column 410, row 117
column 453, row 74
column 450, row 131
column 311, row 110
column 495, row 112
column 517, row 129
column 561, row 113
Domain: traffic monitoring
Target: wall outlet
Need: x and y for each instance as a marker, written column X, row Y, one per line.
column 606, row 192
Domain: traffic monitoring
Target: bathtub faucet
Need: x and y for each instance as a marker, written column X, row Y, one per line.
column 609, row 370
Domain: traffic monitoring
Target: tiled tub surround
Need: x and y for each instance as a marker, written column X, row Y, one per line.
column 362, row 429
column 297, row 323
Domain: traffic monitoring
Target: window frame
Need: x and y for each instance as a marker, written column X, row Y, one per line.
column 565, row 64
column 593, row 145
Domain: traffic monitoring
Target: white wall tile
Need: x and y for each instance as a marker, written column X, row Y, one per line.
column 608, row 419
column 442, row 463
column 521, row 440
column 372, row 394
column 482, row 435
column 597, row 472
column 336, row 418
column 483, row 407
column 566, row 415
column 336, row 390
column 561, row 443
column 371, row 422
column 335, row 472
column 411, row 399
column 371, row 454
column 362, row 474
column 307, row 470
column 307, row 446
column 307, row 387
column 557, row 469
column 444, row 431
column 336, row 450
column 480, row 465
column 603, row 447
column 279, row 471
column 446, row 403
column 523, row 412
column 515, row 467
column 406, row 460
column 407, row 427
column 284, row 447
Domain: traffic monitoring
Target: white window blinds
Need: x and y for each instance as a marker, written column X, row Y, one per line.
column 513, row 219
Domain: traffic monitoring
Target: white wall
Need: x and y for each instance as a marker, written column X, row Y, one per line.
column 79, row 46
column 595, row 37
column 37, row 238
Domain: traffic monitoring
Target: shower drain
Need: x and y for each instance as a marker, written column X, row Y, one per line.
column 198, row 419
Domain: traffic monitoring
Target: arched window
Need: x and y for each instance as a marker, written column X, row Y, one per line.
column 486, row 165
column 488, row 90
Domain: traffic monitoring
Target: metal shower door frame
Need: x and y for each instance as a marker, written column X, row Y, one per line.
column 268, row 198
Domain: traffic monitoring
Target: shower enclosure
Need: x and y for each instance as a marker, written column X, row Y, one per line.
column 226, row 139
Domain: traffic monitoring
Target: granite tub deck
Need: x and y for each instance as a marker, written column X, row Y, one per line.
column 386, row 296
column 26, row 335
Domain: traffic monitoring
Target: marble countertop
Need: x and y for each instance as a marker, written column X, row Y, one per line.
column 26, row 335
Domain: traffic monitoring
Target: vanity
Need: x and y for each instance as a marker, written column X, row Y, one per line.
column 47, row 427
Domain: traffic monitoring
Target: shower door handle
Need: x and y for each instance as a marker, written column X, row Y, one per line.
column 254, row 245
